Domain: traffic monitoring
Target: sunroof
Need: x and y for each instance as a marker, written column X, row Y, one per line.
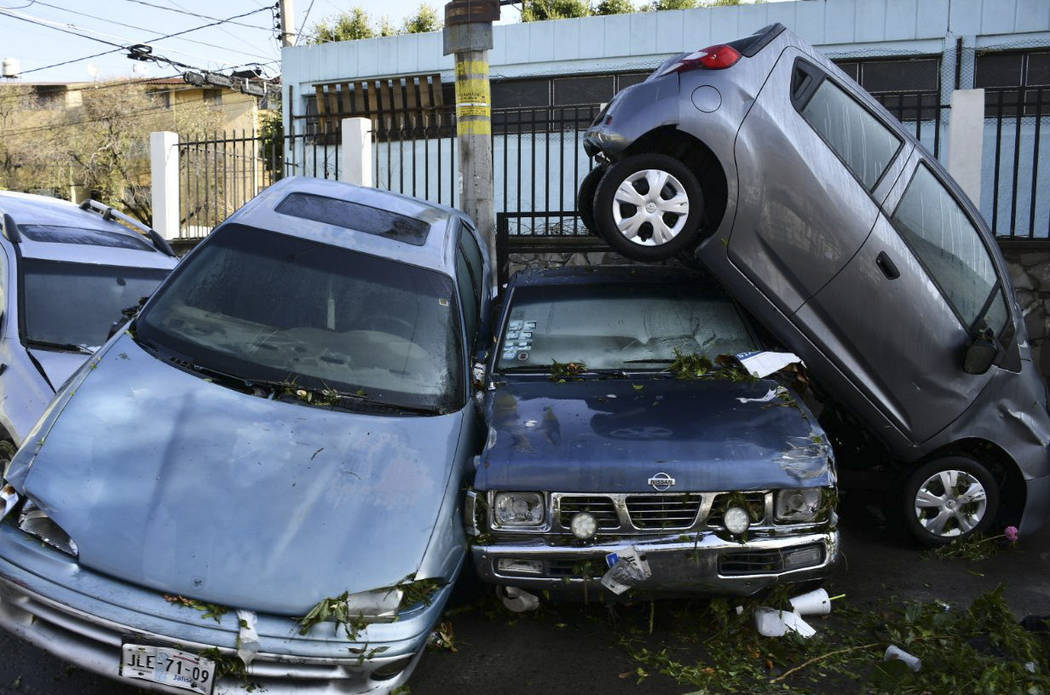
column 355, row 216
column 78, row 235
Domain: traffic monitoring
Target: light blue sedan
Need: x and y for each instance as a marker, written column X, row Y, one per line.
column 258, row 482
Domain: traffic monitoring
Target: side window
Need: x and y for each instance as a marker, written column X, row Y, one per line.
column 948, row 244
column 467, row 298
column 859, row 139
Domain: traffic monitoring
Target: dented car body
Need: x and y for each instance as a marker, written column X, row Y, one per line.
column 255, row 455
column 721, row 482
column 847, row 240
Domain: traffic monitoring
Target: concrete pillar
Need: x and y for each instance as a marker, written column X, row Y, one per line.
column 966, row 141
column 164, row 179
column 356, row 166
column 468, row 35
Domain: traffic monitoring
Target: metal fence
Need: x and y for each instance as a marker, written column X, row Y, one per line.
column 538, row 160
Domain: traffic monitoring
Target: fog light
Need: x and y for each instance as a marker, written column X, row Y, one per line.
column 736, row 520
column 583, row 525
column 513, row 565
column 803, row 557
column 391, row 670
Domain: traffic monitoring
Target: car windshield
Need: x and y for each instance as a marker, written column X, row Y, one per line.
column 263, row 306
column 614, row 327
column 75, row 304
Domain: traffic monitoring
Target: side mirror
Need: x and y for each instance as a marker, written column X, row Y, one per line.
column 980, row 354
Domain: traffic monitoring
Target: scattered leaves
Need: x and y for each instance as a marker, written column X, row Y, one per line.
column 208, row 610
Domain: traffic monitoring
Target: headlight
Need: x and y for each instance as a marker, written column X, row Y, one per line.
column 518, row 509
column 36, row 523
column 796, row 506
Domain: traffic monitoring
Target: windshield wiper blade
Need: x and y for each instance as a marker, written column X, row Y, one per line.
column 525, row 370
column 65, row 347
column 652, row 360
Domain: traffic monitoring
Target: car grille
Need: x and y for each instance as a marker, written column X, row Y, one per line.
column 677, row 511
column 654, row 512
column 603, row 508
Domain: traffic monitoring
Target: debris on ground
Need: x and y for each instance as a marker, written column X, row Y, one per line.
column 895, row 652
column 771, row 622
column 517, row 600
column 627, row 568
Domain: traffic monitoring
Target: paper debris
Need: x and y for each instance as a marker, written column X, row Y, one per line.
column 763, row 363
column 773, row 623
column 627, row 568
column 247, row 637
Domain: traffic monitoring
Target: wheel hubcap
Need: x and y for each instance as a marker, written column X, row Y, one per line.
column 950, row 503
column 650, row 207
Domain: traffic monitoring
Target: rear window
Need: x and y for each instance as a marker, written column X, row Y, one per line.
column 355, row 216
column 77, row 235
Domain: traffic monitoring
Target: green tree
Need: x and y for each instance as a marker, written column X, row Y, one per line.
column 349, row 26
column 424, row 20
column 673, row 5
column 605, row 7
column 539, row 10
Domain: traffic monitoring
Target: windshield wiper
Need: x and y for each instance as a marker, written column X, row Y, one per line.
column 283, row 387
column 652, row 360
column 65, row 347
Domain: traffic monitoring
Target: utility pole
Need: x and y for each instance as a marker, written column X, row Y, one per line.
column 287, row 23
column 468, row 35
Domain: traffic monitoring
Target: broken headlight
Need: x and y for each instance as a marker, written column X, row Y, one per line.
column 35, row 522
column 798, row 506
column 518, row 509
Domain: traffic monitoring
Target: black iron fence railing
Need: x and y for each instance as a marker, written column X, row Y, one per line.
column 538, row 160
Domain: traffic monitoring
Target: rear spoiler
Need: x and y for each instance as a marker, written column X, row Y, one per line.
column 109, row 214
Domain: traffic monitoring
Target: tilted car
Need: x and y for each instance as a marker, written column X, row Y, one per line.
column 66, row 273
column 848, row 241
column 277, row 439
column 615, row 431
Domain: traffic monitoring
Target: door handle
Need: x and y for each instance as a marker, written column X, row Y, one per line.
column 888, row 268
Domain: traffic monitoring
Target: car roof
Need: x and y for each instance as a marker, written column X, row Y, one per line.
column 82, row 226
column 615, row 274
column 435, row 251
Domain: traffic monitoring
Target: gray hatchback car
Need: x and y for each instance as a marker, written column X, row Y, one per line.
column 850, row 242
column 66, row 272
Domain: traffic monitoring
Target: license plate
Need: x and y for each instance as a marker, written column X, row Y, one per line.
column 172, row 667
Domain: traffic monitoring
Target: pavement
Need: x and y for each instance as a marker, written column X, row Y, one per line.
column 572, row 649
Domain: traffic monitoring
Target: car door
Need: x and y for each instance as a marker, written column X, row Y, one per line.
column 811, row 159
column 900, row 316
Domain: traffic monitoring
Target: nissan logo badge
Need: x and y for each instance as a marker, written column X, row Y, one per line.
column 661, row 482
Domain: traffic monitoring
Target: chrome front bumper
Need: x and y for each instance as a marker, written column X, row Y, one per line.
column 703, row 564
column 82, row 617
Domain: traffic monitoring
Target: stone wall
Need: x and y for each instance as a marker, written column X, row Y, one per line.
column 1030, row 270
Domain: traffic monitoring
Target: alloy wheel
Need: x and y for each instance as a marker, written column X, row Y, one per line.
column 950, row 503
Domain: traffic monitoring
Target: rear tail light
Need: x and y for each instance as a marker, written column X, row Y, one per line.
column 717, row 57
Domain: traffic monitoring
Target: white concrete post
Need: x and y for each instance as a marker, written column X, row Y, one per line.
column 164, row 180
column 357, row 151
column 966, row 141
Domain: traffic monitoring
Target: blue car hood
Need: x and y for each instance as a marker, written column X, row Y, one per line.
column 613, row 435
column 167, row 480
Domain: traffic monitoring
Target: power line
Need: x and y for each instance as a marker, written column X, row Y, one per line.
column 204, row 16
column 137, row 28
column 120, row 47
column 299, row 34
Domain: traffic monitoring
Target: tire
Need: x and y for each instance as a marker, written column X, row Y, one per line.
column 925, row 500
column 585, row 197
column 661, row 228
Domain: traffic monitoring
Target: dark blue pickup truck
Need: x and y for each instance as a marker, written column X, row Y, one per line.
column 622, row 429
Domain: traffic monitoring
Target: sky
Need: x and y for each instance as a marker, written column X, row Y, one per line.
column 126, row 22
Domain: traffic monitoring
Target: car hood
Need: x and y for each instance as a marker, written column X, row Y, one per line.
column 613, row 435
column 57, row 365
column 170, row 481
